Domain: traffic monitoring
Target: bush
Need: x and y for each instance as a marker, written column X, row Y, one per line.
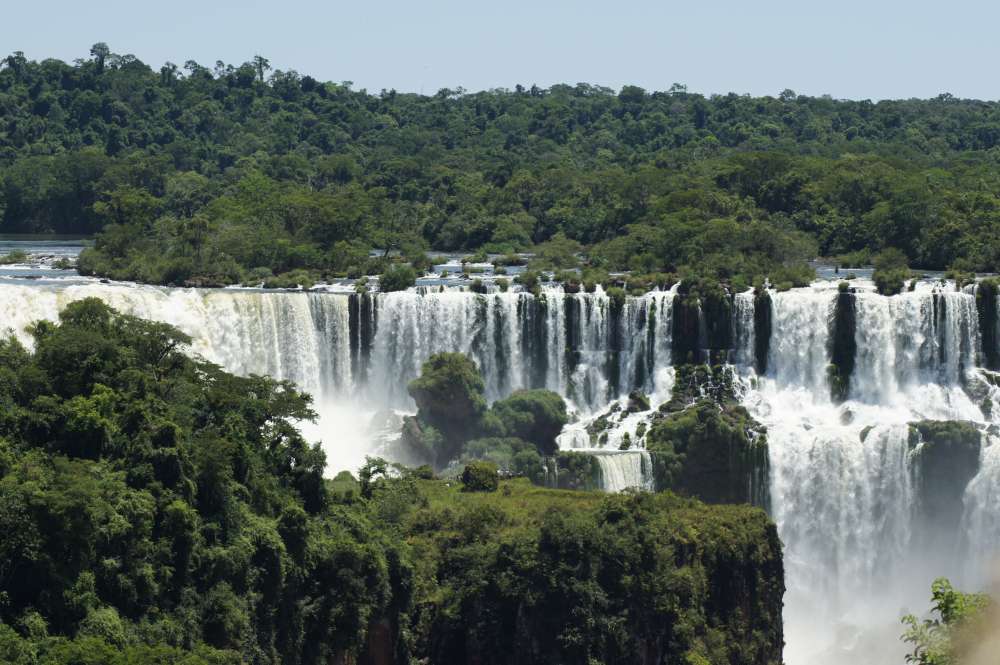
column 529, row 279
column 891, row 271
column 537, row 416
column 508, row 260
column 398, row 277
column 15, row 256
column 450, row 397
column 480, row 477
column 617, row 296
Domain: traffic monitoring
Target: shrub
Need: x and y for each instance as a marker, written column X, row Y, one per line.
column 15, row 256
column 529, row 279
column 449, row 396
column 397, row 278
column 891, row 271
column 617, row 296
column 537, row 416
column 480, row 477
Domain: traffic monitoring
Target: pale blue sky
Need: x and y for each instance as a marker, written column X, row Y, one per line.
column 849, row 48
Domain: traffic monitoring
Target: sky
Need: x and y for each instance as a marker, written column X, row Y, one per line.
column 850, row 49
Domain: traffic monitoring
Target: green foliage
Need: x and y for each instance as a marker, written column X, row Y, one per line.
column 536, row 416
column 512, row 456
column 480, row 477
column 146, row 490
column 205, row 175
column 452, row 419
column 953, row 633
column 449, row 394
column 574, row 471
column 14, row 256
column 616, row 296
column 398, row 277
column 891, row 271
column 705, row 444
column 530, row 575
column 158, row 510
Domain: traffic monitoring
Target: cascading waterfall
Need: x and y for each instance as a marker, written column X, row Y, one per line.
column 744, row 329
column 914, row 339
column 981, row 521
column 843, row 467
column 356, row 354
column 621, row 470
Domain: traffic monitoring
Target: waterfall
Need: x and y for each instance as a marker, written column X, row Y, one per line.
column 800, row 336
column 621, row 470
column 844, row 467
column 744, row 329
column 914, row 338
column 981, row 521
column 356, row 355
column 843, row 471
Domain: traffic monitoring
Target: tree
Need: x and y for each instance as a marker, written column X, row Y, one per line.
column 480, row 477
column 954, row 633
column 398, row 277
column 536, row 416
column 891, row 271
column 262, row 65
column 449, row 394
column 100, row 53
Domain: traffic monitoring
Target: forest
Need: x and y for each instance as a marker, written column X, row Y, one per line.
column 219, row 174
column 156, row 509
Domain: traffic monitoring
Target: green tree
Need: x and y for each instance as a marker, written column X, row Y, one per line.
column 449, row 394
column 954, row 632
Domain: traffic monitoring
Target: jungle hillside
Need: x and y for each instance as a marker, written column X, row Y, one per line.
column 217, row 173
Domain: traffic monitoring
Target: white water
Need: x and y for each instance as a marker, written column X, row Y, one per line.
column 569, row 344
column 621, row 470
column 844, row 507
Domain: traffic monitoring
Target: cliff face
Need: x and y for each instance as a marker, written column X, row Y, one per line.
column 527, row 575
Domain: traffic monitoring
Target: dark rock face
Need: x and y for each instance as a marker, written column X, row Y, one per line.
column 947, row 458
column 843, row 346
column 686, row 330
column 362, row 325
column 987, row 307
column 762, row 318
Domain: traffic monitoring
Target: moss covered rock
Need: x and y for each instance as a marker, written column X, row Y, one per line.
column 946, row 459
column 705, row 444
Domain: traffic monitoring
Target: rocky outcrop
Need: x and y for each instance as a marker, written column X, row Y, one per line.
column 705, row 444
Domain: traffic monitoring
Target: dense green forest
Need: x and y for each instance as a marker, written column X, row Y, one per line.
column 156, row 509
column 217, row 174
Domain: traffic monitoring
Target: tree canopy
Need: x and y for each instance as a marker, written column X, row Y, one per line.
column 217, row 174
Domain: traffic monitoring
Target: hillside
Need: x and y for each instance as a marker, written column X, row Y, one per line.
column 233, row 173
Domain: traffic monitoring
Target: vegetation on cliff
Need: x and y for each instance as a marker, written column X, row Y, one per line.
column 705, row 444
column 453, row 421
column 158, row 510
